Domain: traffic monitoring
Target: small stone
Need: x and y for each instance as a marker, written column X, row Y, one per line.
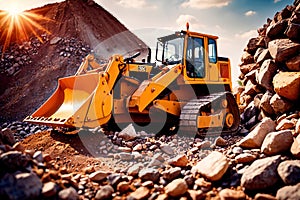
column 285, row 124
column 98, row 176
column 176, row 188
column 123, row 187
column 171, row 173
column 167, row 149
column 237, row 150
column 229, row 194
column 49, row 189
column 68, row 194
column 138, row 147
column 134, row 170
column 245, row 158
column 179, row 161
column 261, row 196
column 38, row 156
column 140, row 193
column 149, row 174
column 220, row 142
column 105, row 193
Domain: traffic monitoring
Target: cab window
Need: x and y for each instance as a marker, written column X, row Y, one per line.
column 212, row 51
column 195, row 58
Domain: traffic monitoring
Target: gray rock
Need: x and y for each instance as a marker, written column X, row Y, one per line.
column 167, row 149
column 14, row 160
column 293, row 31
column 277, row 142
column 128, row 133
column 68, row 194
column 98, row 175
column 265, row 54
column 256, row 137
column 171, row 173
column 149, row 174
column 105, row 192
column 280, row 105
column 261, row 174
column 213, row 167
column 289, row 193
column 20, row 186
column 266, row 73
column 289, row 171
column 265, row 103
column 276, row 30
column 7, row 137
column 134, row 170
column 176, row 188
column 49, row 189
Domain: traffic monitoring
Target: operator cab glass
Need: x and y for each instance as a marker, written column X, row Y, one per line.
column 170, row 49
column 195, row 66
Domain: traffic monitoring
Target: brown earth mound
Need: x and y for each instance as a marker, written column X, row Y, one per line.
column 59, row 37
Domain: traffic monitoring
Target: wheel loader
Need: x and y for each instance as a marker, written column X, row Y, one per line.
column 187, row 89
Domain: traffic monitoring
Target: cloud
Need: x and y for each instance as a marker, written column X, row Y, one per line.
column 204, row 4
column 247, row 35
column 192, row 20
column 136, row 4
column 276, row 1
column 250, row 13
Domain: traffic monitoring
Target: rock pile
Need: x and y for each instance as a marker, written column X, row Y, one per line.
column 271, row 72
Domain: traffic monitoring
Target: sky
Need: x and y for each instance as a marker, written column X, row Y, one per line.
column 234, row 21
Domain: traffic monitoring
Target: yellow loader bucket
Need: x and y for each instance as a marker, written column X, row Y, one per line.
column 78, row 101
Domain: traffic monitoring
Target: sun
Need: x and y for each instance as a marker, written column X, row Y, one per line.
column 14, row 10
column 18, row 25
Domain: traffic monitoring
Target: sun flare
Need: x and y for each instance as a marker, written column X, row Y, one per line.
column 18, row 25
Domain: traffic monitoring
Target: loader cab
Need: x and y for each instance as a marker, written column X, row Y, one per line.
column 195, row 51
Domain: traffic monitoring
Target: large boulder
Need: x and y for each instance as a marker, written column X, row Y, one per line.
column 256, row 137
column 266, row 73
column 276, row 30
column 280, row 104
column 287, row 85
column 289, row 193
column 295, row 148
column 277, row 142
column 213, row 166
column 293, row 31
column 283, row 49
column 265, row 103
column 294, row 63
column 289, row 171
column 261, row 174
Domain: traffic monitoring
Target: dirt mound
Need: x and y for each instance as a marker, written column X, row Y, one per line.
column 59, row 36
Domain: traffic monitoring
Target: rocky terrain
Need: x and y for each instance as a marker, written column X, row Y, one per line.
column 261, row 162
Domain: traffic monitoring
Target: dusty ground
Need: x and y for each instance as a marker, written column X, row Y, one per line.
column 68, row 149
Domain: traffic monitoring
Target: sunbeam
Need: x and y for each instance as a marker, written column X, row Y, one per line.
column 18, row 25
